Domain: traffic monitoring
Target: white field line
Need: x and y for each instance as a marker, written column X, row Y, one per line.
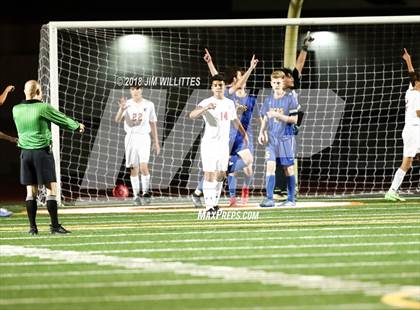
column 395, row 275
column 203, row 232
column 166, row 208
column 222, row 239
column 250, row 223
column 265, row 218
column 254, row 247
column 275, row 211
column 37, row 263
column 71, row 273
column 361, row 264
column 283, row 218
column 329, row 285
column 297, row 255
column 159, row 283
column 165, row 297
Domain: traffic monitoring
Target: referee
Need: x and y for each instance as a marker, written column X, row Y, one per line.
column 32, row 118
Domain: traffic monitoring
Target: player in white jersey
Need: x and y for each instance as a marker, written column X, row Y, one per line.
column 140, row 119
column 218, row 113
column 411, row 131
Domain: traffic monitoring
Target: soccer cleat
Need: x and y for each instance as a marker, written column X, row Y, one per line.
column 245, row 195
column 280, row 196
column 147, row 198
column 287, row 203
column 196, row 200
column 392, row 196
column 59, row 230
column 267, row 203
column 137, row 201
column 5, row 212
column 212, row 211
column 232, row 202
column 33, row 231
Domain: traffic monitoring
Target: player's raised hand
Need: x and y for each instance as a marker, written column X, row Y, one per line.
column 254, row 62
column 406, row 56
column 10, row 88
column 207, row 56
column 123, row 103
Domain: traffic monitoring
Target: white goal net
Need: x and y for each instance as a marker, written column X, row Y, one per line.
column 352, row 92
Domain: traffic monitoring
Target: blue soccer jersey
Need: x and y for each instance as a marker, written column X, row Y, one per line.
column 236, row 139
column 287, row 105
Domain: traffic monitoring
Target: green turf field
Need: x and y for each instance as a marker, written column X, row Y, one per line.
column 359, row 257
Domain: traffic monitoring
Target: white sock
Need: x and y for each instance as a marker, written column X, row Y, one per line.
column 209, row 189
column 217, row 192
column 135, row 184
column 396, row 182
column 145, row 183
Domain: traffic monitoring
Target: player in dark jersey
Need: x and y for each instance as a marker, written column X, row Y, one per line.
column 33, row 120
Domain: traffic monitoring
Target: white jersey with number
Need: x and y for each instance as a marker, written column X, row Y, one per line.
column 215, row 141
column 411, row 132
column 138, row 116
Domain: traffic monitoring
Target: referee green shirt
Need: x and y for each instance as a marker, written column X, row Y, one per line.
column 32, row 119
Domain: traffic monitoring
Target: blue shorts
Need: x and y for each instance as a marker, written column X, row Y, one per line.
column 282, row 150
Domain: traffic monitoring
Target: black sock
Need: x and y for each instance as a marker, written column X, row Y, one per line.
column 52, row 210
column 31, row 208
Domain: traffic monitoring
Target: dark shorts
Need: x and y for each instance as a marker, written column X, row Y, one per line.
column 37, row 167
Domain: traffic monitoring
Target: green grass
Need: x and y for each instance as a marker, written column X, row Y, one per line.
column 302, row 258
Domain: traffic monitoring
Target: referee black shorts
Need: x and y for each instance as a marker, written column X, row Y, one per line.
column 37, row 167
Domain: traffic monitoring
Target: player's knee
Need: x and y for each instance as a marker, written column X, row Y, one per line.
column 220, row 177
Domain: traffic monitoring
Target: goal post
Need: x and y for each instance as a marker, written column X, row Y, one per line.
column 353, row 96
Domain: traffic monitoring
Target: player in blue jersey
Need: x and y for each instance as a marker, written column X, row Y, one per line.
column 278, row 114
column 241, row 157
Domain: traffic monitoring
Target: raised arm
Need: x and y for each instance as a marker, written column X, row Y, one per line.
column 207, row 58
column 300, row 61
column 406, row 56
column 123, row 106
column 199, row 110
column 242, row 81
column 3, row 96
column 60, row 119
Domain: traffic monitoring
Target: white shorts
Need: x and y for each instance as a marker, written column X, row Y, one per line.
column 214, row 157
column 137, row 149
column 411, row 138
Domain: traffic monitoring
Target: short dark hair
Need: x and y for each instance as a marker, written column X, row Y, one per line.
column 287, row 71
column 231, row 73
column 217, row 77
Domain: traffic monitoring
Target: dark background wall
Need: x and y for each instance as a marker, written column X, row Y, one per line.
column 20, row 28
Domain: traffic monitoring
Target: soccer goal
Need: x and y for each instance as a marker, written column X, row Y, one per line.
column 352, row 92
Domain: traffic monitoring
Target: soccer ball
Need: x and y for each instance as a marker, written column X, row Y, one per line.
column 120, row 191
